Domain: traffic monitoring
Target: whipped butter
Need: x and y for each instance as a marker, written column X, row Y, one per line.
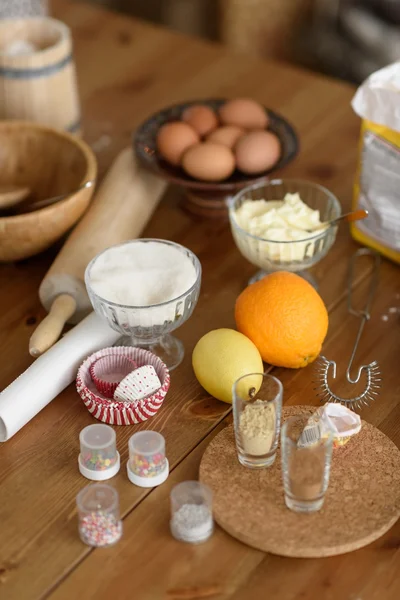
column 286, row 220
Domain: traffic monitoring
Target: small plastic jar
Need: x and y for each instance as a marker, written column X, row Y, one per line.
column 98, row 459
column 98, row 513
column 147, row 466
column 191, row 512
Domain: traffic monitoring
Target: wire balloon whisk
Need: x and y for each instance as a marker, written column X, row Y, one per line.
column 327, row 368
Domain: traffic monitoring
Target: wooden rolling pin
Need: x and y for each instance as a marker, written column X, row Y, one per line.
column 119, row 211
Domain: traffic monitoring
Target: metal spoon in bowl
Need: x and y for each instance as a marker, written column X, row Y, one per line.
column 23, row 207
column 355, row 215
column 48, row 201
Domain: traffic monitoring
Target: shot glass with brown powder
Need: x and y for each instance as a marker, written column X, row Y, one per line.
column 306, row 462
column 257, row 407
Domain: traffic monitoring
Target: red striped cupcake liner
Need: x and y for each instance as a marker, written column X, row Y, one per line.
column 114, row 412
column 108, row 371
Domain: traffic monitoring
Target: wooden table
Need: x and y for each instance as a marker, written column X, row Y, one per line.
column 127, row 70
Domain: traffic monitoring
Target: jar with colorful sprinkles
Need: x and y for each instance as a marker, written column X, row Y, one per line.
column 99, row 459
column 147, row 466
column 98, row 512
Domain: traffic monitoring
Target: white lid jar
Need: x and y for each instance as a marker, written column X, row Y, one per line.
column 98, row 459
column 147, row 466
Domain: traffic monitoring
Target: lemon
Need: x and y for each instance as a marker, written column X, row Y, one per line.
column 222, row 356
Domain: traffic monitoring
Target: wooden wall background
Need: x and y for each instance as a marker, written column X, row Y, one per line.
column 257, row 27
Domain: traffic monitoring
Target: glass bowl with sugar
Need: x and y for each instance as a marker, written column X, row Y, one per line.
column 145, row 289
column 282, row 225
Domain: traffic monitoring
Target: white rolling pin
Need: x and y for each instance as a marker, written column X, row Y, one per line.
column 119, row 211
column 51, row 373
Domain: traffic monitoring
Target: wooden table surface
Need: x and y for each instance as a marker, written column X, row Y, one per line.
column 127, row 70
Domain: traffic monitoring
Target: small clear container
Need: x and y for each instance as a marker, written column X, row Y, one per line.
column 191, row 512
column 99, row 459
column 98, row 512
column 147, row 466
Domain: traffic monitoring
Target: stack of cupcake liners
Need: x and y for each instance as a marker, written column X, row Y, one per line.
column 123, row 385
column 109, row 370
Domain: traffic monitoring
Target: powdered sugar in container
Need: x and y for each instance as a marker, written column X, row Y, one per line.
column 191, row 512
column 147, row 466
column 99, row 458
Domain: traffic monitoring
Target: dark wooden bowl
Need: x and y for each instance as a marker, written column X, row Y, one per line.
column 203, row 198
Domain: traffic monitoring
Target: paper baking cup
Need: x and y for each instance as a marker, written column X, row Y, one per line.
column 114, row 412
column 138, row 384
column 108, row 371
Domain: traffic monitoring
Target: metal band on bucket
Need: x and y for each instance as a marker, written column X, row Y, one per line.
column 46, row 71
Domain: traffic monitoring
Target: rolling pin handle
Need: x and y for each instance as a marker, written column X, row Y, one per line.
column 49, row 330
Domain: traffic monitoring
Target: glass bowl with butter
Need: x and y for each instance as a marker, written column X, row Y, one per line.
column 145, row 289
column 281, row 225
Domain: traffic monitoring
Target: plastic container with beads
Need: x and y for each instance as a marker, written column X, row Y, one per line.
column 98, row 512
column 191, row 512
column 99, row 458
column 147, row 466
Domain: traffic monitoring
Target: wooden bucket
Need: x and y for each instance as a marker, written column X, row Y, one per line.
column 39, row 85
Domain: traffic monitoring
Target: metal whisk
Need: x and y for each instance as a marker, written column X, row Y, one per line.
column 372, row 372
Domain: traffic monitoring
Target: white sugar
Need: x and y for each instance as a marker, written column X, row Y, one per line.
column 192, row 523
column 142, row 274
column 19, row 48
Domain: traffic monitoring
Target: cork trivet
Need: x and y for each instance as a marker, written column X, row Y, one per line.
column 361, row 504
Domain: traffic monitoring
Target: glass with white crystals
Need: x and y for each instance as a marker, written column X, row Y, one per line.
column 146, row 289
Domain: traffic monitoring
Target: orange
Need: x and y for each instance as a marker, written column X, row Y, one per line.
column 284, row 317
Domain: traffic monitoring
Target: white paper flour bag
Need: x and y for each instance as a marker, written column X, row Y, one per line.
column 377, row 184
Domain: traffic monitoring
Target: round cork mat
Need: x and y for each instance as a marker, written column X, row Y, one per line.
column 361, row 504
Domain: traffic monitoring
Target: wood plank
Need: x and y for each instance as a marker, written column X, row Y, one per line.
column 239, row 570
column 156, row 562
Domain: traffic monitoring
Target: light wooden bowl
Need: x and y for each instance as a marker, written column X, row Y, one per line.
column 51, row 163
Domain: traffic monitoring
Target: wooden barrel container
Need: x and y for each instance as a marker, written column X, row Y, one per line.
column 37, row 73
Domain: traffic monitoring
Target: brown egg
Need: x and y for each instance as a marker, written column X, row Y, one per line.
column 227, row 135
column 202, row 118
column 173, row 139
column 209, row 162
column 257, row 151
column 245, row 113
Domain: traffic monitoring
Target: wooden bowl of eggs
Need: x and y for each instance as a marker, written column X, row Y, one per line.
column 215, row 147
